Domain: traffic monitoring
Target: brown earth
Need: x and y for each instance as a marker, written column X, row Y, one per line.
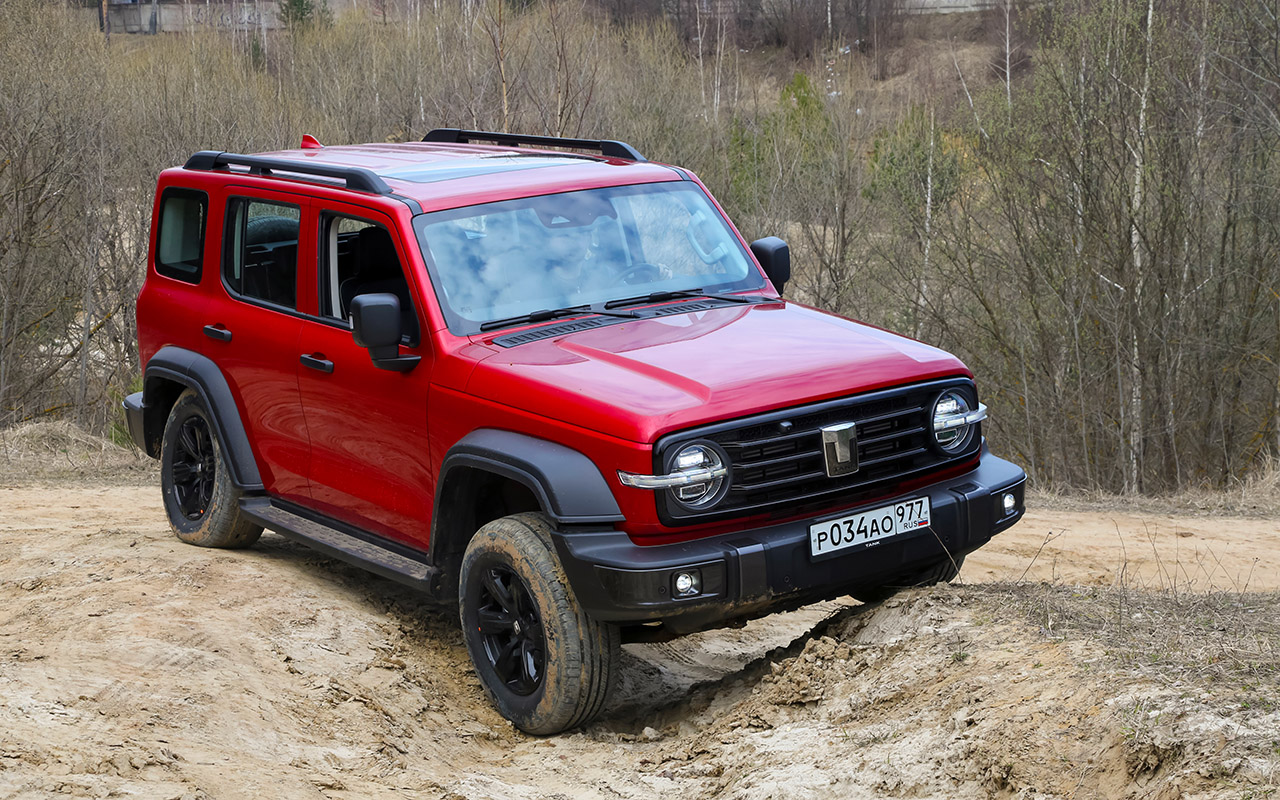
column 1138, row 659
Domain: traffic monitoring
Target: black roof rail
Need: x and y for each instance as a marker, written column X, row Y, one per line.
column 358, row 178
column 606, row 147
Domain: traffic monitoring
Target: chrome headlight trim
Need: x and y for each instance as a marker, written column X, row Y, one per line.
column 956, row 420
column 696, row 463
column 673, row 480
column 953, row 420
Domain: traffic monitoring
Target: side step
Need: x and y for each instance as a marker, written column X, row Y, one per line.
column 351, row 549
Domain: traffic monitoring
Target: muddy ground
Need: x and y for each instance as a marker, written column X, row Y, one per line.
column 1087, row 653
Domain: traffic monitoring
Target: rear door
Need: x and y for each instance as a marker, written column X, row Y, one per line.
column 369, row 464
column 252, row 333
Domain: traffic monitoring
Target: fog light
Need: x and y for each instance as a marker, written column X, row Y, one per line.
column 1010, row 502
column 688, row 583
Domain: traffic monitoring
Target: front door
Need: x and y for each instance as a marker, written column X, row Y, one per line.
column 369, row 464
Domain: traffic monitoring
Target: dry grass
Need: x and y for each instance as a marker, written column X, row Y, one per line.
column 1187, row 684
column 1256, row 495
column 1188, row 626
column 1221, row 637
column 41, row 452
column 1183, row 627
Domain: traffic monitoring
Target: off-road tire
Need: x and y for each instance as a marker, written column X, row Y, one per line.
column 579, row 655
column 202, row 511
column 942, row 572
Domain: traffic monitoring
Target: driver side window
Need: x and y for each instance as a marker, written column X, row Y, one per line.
column 359, row 257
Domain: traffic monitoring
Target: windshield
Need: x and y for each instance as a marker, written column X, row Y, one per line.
column 504, row 260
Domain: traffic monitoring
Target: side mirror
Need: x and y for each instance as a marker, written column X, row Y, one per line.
column 774, row 255
column 375, row 321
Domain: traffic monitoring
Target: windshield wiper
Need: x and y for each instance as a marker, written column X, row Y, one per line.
column 545, row 314
column 660, row 297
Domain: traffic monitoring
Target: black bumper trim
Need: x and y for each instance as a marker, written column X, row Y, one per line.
column 753, row 568
column 135, row 418
column 616, row 579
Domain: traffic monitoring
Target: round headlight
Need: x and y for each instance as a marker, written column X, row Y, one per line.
column 951, row 428
column 693, row 458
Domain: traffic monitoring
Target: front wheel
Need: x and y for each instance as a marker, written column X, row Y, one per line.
column 543, row 662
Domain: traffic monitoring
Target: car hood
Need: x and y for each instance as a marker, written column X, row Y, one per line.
column 638, row 380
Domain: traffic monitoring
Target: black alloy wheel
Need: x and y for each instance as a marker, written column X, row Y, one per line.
column 544, row 663
column 195, row 467
column 511, row 630
column 200, row 498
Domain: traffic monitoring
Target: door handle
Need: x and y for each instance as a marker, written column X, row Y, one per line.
column 320, row 364
column 217, row 332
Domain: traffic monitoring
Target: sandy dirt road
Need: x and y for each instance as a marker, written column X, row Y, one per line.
column 132, row 665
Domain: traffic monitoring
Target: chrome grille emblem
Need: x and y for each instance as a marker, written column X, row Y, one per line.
column 840, row 449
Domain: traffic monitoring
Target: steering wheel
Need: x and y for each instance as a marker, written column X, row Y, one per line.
column 652, row 271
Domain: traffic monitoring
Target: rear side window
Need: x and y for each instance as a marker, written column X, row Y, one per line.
column 260, row 251
column 180, row 237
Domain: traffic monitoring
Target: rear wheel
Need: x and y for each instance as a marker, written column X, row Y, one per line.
column 202, row 503
column 942, row 572
column 544, row 663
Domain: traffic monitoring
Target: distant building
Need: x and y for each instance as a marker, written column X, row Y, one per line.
column 154, row 16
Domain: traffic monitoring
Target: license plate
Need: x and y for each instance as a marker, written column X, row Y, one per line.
column 868, row 527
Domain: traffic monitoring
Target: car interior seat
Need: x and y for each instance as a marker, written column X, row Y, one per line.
column 378, row 270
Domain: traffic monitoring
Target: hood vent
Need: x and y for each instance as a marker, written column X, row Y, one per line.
column 684, row 308
column 564, row 328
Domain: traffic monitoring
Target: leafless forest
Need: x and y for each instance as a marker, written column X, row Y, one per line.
column 1081, row 199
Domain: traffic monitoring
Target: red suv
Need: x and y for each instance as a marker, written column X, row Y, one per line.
column 549, row 380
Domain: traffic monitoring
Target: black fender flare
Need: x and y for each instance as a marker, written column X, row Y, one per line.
column 200, row 373
column 567, row 484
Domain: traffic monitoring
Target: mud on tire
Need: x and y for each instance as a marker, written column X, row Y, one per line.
column 543, row 662
column 202, row 503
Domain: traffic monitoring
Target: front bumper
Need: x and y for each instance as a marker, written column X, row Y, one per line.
column 135, row 418
column 750, row 572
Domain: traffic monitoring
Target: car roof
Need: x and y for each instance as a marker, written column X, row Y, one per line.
column 440, row 176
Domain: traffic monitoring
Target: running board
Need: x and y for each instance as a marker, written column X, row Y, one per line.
column 351, row 549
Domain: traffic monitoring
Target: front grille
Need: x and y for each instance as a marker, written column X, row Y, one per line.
column 777, row 460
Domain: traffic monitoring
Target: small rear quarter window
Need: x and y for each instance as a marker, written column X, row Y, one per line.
column 180, row 237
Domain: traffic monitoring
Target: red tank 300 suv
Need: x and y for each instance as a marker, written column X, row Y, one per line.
column 547, row 379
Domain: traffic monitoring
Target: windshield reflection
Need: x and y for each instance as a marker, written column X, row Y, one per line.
column 508, row 259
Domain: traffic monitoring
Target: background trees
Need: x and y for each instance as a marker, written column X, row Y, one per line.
column 1081, row 199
